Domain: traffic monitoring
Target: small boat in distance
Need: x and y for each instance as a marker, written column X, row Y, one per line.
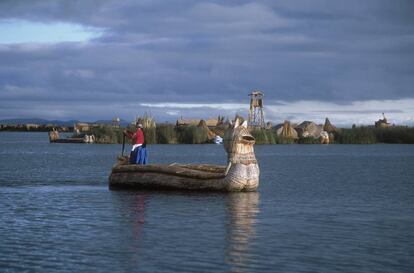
column 240, row 174
column 80, row 138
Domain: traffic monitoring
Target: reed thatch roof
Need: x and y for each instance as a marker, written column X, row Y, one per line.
column 195, row 122
column 203, row 124
column 328, row 127
column 286, row 130
column 219, row 130
column 309, row 128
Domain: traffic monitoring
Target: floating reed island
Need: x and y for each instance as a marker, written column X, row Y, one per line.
column 200, row 131
column 207, row 131
column 240, row 174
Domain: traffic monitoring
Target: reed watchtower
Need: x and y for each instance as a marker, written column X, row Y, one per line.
column 256, row 116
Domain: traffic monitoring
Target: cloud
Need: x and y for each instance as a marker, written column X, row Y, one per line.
column 208, row 53
column 20, row 31
column 220, row 106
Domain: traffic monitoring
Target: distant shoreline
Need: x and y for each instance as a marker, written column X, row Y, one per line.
column 196, row 135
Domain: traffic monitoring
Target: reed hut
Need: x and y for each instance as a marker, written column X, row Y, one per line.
column 221, row 127
column 269, row 125
column 328, row 127
column 309, row 129
column 331, row 130
column 203, row 124
column 286, row 130
column 30, row 126
column 212, row 122
column 82, row 127
column 324, row 137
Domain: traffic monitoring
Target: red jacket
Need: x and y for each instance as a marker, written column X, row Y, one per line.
column 137, row 137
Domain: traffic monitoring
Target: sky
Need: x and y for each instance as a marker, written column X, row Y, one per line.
column 92, row 60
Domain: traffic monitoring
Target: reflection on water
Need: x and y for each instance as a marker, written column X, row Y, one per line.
column 129, row 215
column 243, row 209
column 149, row 223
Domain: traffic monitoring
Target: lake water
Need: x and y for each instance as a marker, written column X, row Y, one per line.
column 335, row 208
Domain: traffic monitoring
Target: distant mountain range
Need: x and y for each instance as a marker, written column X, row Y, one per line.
column 55, row 122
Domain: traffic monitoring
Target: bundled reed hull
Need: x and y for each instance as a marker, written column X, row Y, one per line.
column 68, row 140
column 173, row 176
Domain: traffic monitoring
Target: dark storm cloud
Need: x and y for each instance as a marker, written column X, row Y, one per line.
column 208, row 52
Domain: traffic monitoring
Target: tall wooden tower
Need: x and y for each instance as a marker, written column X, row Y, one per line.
column 256, row 116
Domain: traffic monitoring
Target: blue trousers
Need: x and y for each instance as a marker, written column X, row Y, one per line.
column 139, row 156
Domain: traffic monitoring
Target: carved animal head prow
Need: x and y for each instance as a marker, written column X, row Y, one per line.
column 237, row 135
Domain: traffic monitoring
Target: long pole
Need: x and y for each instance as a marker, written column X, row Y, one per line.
column 123, row 144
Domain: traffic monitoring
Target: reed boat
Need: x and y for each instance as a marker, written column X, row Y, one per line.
column 240, row 174
column 84, row 138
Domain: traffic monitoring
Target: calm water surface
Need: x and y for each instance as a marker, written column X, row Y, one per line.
column 336, row 208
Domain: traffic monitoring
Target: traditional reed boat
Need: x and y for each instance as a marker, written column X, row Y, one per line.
column 54, row 138
column 240, row 174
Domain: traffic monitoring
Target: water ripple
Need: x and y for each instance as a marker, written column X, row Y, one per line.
column 319, row 209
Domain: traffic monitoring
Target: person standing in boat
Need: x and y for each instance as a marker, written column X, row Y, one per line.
column 139, row 151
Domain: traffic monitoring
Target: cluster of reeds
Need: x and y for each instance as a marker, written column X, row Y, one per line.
column 269, row 136
column 147, row 121
column 263, row 136
column 171, row 134
column 370, row 135
column 166, row 134
column 107, row 134
column 149, row 126
column 192, row 134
